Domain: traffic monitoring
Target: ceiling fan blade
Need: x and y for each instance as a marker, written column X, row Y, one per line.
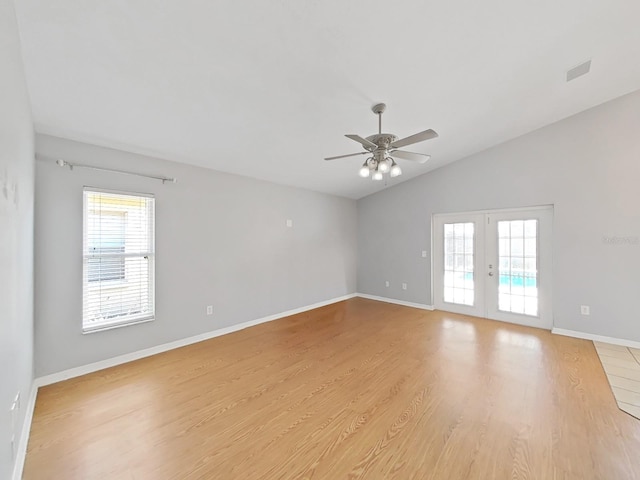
column 418, row 137
column 345, row 156
column 414, row 157
column 363, row 141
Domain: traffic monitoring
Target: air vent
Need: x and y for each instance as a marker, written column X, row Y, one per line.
column 578, row 71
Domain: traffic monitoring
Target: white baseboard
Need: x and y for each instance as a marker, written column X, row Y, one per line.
column 129, row 357
column 596, row 338
column 21, row 452
column 397, row 302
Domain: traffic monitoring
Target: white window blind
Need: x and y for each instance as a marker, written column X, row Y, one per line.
column 118, row 259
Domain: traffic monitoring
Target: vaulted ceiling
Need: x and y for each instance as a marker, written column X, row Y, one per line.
column 268, row 88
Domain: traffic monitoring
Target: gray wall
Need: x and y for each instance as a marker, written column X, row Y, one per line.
column 221, row 240
column 16, row 235
column 587, row 166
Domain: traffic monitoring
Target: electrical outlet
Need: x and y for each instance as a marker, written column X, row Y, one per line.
column 289, row 222
column 404, row 286
column 585, row 310
column 424, row 254
column 386, row 283
column 209, row 309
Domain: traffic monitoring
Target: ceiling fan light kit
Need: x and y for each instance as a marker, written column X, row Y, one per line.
column 383, row 147
column 395, row 169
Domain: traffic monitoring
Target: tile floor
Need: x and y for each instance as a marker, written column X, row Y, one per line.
column 622, row 366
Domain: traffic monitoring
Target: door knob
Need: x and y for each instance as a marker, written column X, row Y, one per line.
column 491, row 274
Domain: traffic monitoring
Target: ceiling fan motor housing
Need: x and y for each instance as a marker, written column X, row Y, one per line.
column 382, row 140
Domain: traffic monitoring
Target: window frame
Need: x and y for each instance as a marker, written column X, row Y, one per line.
column 147, row 254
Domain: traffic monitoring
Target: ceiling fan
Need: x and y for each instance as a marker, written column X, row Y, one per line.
column 383, row 147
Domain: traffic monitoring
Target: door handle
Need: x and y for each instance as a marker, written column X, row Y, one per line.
column 491, row 274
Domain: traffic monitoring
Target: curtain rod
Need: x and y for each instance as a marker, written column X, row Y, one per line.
column 64, row 163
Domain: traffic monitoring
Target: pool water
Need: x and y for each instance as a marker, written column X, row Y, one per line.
column 513, row 280
column 517, row 281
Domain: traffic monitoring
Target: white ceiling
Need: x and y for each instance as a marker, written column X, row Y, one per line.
column 268, row 88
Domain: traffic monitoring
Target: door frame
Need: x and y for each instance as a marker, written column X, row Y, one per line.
column 437, row 240
column 544, row 319
column 545, row 245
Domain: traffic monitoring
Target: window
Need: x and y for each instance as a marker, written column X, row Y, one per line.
column 118, row 259
column 111, row 240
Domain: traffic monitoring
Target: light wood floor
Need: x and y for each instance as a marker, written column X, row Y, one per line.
column 358, row 389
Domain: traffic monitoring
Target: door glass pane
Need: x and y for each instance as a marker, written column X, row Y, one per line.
column 458, row 263
column 518, row 266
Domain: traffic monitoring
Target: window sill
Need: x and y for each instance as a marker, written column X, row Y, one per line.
column 111, row 326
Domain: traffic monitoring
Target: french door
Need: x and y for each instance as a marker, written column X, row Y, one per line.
column 495, row 264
